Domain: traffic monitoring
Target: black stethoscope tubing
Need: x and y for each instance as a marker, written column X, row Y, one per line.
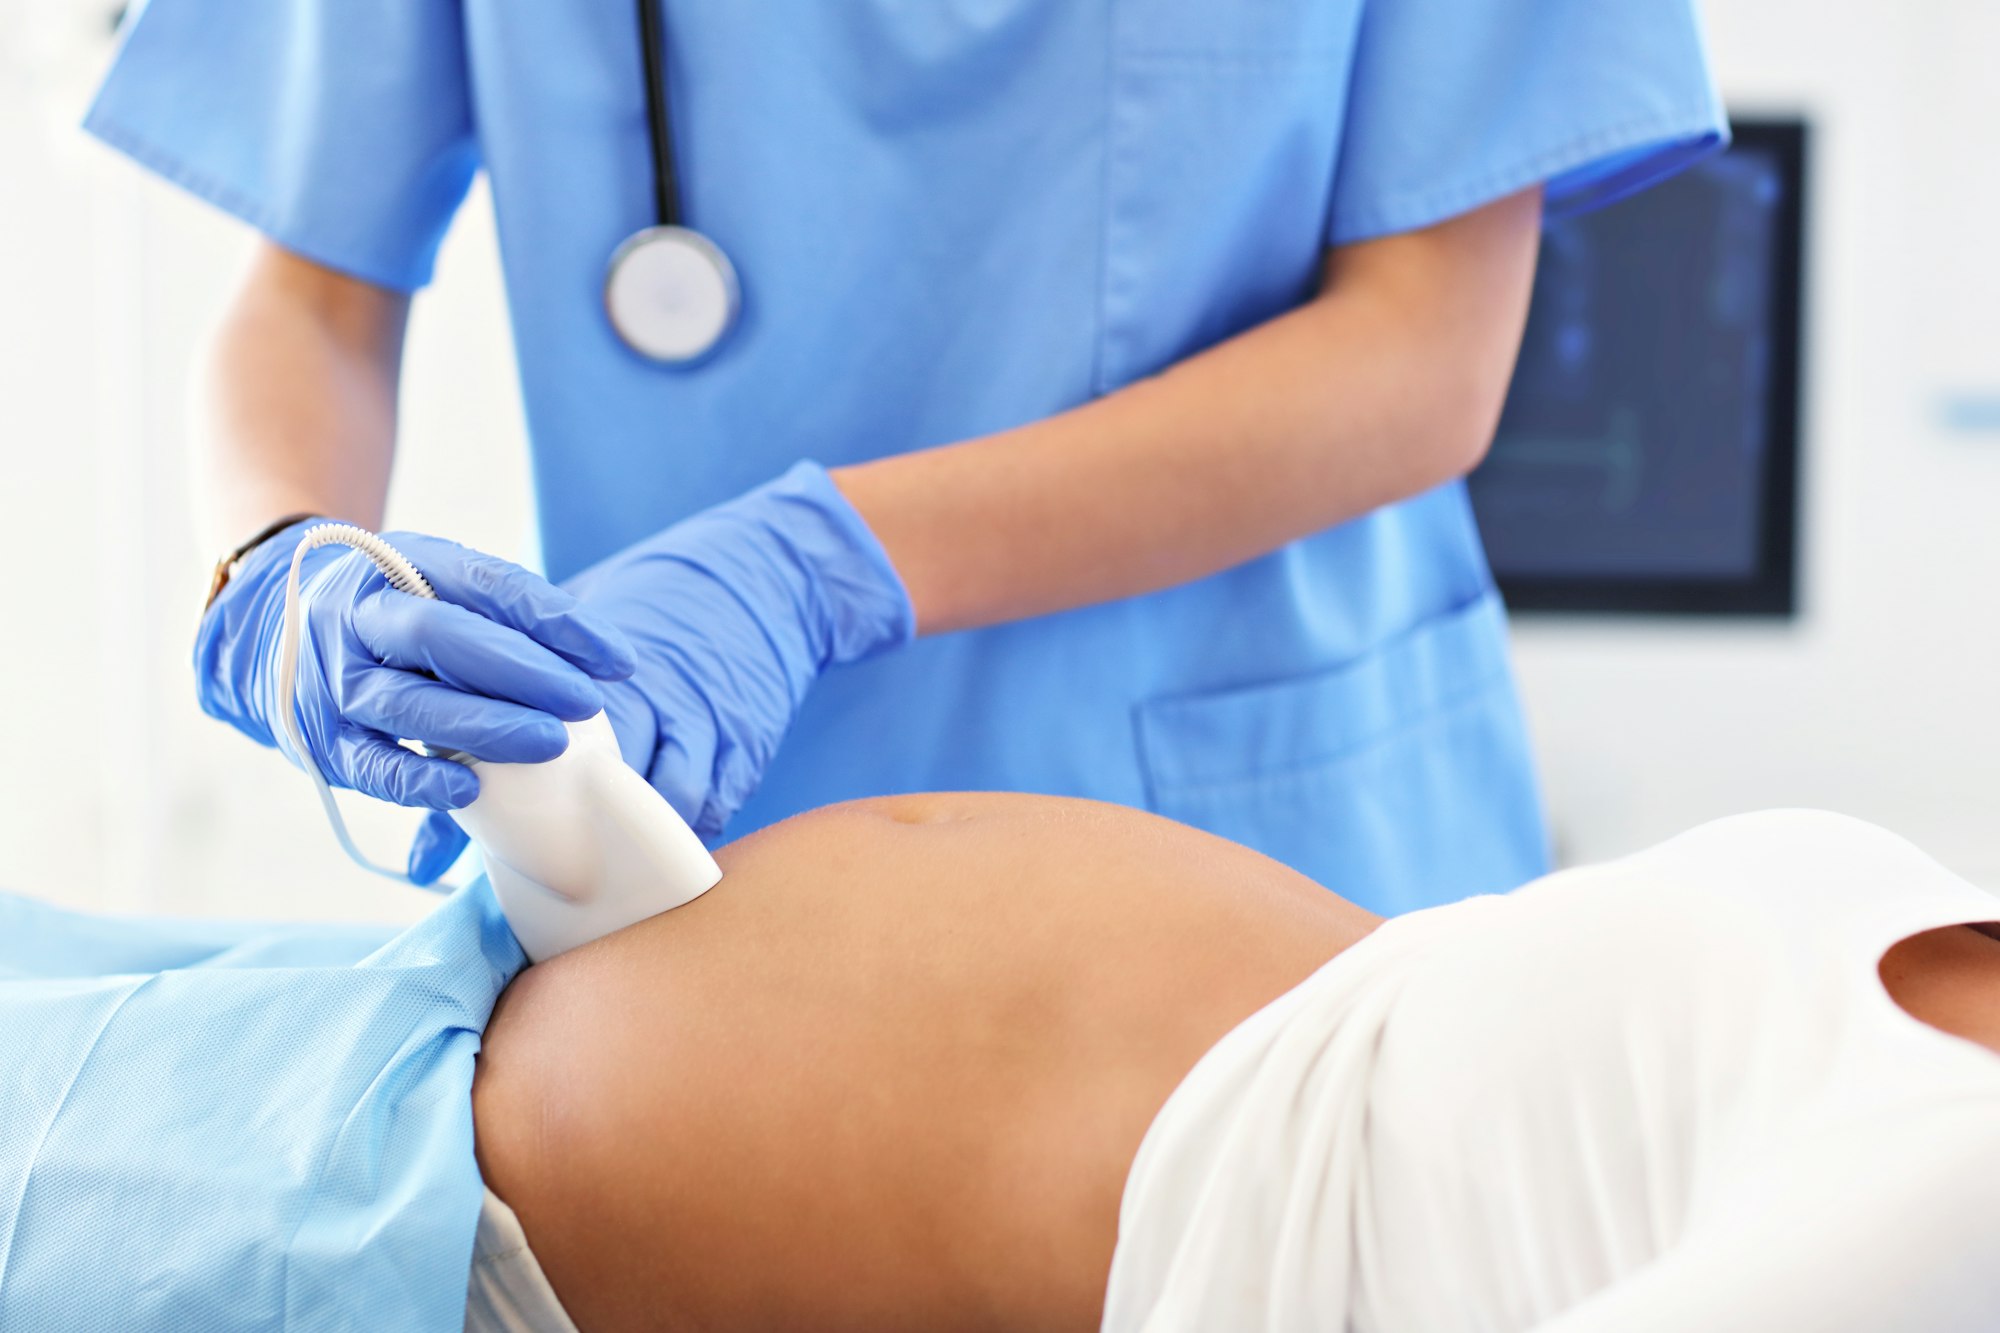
column 659, row 119
column 669, row 291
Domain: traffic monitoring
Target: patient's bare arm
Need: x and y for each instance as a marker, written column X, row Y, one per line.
column 1950, row 979
column 890, row 1073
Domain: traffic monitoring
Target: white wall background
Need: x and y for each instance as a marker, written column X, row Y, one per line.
column 1884, row 701
column 116, row 793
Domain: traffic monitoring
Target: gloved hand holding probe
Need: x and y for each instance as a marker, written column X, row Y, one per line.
column 733, row 614
column 491, row 669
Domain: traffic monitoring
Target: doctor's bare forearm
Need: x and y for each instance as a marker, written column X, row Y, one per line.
column 1387, row 384
column 299, row 407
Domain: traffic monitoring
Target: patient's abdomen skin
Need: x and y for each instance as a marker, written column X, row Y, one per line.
column 890, row 1073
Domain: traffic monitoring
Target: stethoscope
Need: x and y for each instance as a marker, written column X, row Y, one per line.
column 670, row 291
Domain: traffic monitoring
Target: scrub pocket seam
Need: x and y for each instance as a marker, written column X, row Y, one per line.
column 1288, row 727
column 1460, row 698
column 1399, row 774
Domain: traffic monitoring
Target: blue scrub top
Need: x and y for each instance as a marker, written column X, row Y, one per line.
column 954, row 218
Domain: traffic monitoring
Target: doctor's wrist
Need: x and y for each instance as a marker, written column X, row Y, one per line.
column 232, row 561
column 866, row 608
column 235, row 633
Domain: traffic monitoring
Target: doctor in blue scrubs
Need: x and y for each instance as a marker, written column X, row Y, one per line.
column 1091, row 419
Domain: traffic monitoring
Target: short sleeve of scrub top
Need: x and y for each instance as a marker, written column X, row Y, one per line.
column 341, row 129
column 1452, row 105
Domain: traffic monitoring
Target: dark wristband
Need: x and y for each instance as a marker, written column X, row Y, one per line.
column 225, row 568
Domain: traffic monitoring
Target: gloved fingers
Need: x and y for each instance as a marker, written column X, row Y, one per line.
column 737, row 775
column 376, row 766
column 507, row 594
column 683, row 771
column 439, row 842
column 634, row 723
column 464, row 649
column 415, row 708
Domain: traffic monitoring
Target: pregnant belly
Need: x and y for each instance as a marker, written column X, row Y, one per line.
column 890, row 1073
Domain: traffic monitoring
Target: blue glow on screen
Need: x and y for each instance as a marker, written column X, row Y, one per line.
column 1634, row 438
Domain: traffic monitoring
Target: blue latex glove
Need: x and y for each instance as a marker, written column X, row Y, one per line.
column 734, row 612
column 493, row 668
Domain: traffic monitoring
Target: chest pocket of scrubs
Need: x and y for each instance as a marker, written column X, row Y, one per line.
column 1394, row 780
column 1222, row 134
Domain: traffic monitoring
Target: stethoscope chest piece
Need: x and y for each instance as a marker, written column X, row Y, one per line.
column 671, row 294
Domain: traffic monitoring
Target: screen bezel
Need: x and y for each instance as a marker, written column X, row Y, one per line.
column 1771, row 590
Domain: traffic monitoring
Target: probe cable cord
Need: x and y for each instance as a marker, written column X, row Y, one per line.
column 403, row 577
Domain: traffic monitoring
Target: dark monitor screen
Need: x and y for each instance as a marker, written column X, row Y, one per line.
column 1647, row 458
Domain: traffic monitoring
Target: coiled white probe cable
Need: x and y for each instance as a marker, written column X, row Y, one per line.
column 403, row 577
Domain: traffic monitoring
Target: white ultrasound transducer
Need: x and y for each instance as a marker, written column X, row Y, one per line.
column 670, row 292
column 575, row 847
